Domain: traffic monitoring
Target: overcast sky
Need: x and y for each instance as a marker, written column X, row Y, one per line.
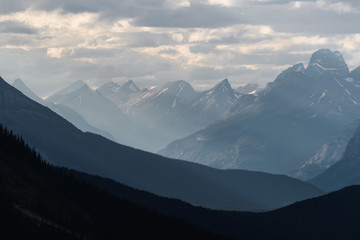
column 50, row 44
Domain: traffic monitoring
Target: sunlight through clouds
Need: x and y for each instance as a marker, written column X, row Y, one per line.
column 171, row 40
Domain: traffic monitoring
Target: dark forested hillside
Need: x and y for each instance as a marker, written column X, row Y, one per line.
column 45, row 202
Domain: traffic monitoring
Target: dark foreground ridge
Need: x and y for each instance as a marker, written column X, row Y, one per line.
column 46, row 202
column 39, row 201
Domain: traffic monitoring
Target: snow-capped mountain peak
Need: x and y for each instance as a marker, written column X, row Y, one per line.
column 325, row 61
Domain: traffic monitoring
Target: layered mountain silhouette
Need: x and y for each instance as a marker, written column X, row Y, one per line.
column 284, row 125
column 41, row 201
column 60, row 143
column 170, row 111
column 97, row 111
column 66, row 112
column 119, row 94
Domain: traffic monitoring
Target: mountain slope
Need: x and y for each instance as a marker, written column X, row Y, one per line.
column 286, row 123
column 21, row 86
column 171, row 111
column 62, row 144
column 249, row 88
column 67, row 113
column 49, row 202
column 211, row 105
column 97, row 111
column 39, row 201
column 155, row 111
column 119, row 94
column 328, row 154
column 346, row 171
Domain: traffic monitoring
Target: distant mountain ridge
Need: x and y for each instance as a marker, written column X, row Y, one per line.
column 45, row 202
column 97, row 111
column 144, row 119
column 284, row 125
column 172, row 110
column 60, row 143
column 66, row 112
column 40, row 201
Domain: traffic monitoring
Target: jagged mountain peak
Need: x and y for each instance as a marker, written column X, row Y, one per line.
column 180, row 89
column 299, row 67
column 78, row 84
column 224, row 84
column 218, row 99
column 18, row 81
column 327, row 61
column 22, row 87
column 72, row 88
column 130, row 86
column 222, row 87
column 249, row 88
column 110, row 87
column 176, row 84
column 324, row 56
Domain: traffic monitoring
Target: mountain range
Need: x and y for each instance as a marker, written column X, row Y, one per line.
column 58, row 181
column 97, row 110
column 170, row 111
column 66, row 112
column 146, row 119
column 61, row 144
column 283, row 126
column 41, row 201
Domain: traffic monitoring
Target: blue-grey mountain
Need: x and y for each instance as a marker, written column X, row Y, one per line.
column 97, row 110
column 284, row 125
column 66, row 112
column 329, row 153
column 171, row 111
column 60, row 143
column 345, row 172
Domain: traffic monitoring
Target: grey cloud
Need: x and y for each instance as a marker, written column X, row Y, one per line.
column 91, row 53
column 109, row 8
column 168, row 51
column 203, row 48
column 197, row 15
column 303, row 20
column 206, row 73
column 154, row 13
column 16, row 27
column 146, row 39
column 279, row 2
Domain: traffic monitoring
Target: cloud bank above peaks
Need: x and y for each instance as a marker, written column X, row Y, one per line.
column 50, row 44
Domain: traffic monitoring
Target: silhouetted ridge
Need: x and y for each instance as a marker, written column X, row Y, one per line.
column 62, row 206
